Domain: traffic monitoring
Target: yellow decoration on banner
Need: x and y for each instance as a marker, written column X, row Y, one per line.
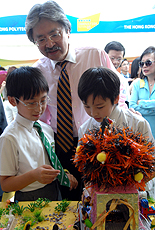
column 86, row 24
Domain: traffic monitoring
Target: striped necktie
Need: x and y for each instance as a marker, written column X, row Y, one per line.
column 62, row 177
column 64, row 110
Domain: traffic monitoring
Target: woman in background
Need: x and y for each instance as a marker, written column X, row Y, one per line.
column 143, row 92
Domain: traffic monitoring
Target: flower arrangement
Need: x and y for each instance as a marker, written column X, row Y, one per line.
column 109, row 156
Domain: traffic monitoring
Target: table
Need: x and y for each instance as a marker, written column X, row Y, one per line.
column 66, row 222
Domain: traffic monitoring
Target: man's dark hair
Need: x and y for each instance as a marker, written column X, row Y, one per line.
column 26, row 82
column 123, row 61
column 99, row 81
column 114, row 45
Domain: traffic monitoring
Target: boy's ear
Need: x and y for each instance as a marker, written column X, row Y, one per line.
column 12, row 101
column 116, row 100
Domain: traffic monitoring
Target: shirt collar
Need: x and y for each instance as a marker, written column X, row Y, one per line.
column 115, row 114
column 24, row 122
column 71, row 57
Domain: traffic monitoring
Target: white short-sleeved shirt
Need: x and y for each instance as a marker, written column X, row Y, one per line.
column 122, row 118
column 21, row 149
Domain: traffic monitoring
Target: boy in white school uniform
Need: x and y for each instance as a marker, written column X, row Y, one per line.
column 25, row 165
column 99, row 90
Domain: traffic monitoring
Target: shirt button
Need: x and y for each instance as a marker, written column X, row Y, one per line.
column 75, row 106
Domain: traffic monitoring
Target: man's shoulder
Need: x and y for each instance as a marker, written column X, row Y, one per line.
column 87, row 49
column 42, row 61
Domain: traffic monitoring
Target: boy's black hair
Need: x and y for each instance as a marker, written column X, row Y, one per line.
column 114, row 45
column 26, row 82
column 99, row 81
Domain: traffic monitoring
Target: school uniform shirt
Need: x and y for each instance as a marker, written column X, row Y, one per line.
column 10, row 111
column 146, row 106
column 21, row 149
column 80, row 60
column 121, row 118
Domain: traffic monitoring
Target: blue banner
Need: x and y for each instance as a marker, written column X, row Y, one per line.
column 15, row 25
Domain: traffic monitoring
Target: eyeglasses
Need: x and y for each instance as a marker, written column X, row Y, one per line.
column 35, row 104
column 117, row 59
column 54, row 38
column 147, row 63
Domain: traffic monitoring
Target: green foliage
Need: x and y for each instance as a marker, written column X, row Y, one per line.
column 31, row 207
column 1, row 211
column 39, row 203
column 38, row 215
column 62, row 206
column 16, row 209
column 40, row 218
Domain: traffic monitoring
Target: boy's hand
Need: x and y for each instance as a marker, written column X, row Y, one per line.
column 45, row 174
column 73, row 181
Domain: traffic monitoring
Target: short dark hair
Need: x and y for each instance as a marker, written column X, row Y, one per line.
column 49, row 10
column 114, row 45
column 26, row 82
column 99, row 81
column 123, row 61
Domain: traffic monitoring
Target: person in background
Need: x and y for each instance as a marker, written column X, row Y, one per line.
column 25, row 165
column 143, row 92
column 124, row 67
column 2, row 68
column 49, row 29
column 3, row 74
column 116, row 53
column 136, row 72
column 3, row 124
column 10, row 111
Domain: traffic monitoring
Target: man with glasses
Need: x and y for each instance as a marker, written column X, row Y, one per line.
column 48, row 27
column 116, row 53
